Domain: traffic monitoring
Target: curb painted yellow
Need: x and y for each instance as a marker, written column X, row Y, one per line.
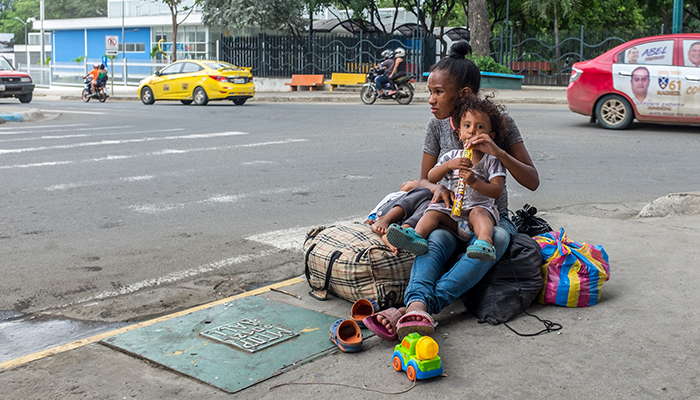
column 96, row 338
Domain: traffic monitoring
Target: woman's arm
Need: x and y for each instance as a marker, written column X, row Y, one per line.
column 396, row 66
column 515, row 158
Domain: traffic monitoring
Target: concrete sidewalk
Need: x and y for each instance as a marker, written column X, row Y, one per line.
column 640, row 341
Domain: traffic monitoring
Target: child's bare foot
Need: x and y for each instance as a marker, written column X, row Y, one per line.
column 380, row 225
column 386, row 323
column 386, row 242
column 369, row 221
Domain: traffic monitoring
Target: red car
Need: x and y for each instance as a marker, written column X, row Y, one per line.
column 653, row 79
column 14, row 83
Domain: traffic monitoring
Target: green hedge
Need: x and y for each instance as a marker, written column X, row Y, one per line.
column 488, row 64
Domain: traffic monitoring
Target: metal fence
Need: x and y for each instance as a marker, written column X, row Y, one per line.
column 533, row 55
column 283, row 56
column 124, row 72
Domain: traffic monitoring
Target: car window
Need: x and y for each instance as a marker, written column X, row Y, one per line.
column 189, row 67
column 651, row 53
column 171, row 69
column 5, row 65
column 691, row 53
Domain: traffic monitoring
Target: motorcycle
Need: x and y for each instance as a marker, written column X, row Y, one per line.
column 100, row 91
column 403, row 93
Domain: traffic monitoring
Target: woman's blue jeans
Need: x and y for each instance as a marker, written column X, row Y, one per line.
column 428, row 284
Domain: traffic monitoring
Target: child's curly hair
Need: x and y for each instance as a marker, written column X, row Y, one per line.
column 496, row 112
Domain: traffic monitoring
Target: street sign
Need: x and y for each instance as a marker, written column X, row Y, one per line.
column 105, row 60
column 111, row 45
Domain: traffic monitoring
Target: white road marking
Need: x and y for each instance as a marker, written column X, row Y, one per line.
column 172, row 277
column 158, row 153
column 286, row 239
column 124, row 141
column 100, row 129
column 64, row 186
column 74, row 112
column 293, row 238
column 257, row 162
column 219, row 198
column 40, row 126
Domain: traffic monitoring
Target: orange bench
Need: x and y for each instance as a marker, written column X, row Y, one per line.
column 531, row 67
column 312, row 81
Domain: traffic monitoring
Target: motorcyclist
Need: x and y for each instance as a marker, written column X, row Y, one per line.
column 95, row 76
column 388, row 65
column 103, row 76
column 399, row 69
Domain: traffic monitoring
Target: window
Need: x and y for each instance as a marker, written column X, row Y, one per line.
column 171, row 69
column 35, row 38
column 132, row 47
column 189, row 67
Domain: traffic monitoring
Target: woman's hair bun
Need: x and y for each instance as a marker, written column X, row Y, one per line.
column 460, row 49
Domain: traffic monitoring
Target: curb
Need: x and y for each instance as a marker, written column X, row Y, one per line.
column 31, row 114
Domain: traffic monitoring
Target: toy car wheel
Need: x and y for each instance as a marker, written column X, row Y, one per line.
column 397, row 363
column 411, row 373
column 614, row 112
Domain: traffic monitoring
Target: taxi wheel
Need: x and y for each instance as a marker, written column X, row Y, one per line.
column 147, row 95
column 200, row 97
column 186, row 102
column 238, row 102
column 614, row 112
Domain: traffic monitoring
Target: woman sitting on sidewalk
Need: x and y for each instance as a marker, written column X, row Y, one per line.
column 429, row 291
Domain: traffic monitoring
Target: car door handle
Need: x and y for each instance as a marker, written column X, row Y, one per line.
column 692, row 78
column 625, row 73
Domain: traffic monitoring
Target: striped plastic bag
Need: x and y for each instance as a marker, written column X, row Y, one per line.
column 573, row 272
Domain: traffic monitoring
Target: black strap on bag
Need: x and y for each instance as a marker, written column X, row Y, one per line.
column 324, row 290
column 549, row 326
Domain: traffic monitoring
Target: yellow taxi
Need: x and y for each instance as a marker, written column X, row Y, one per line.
column 198, row 81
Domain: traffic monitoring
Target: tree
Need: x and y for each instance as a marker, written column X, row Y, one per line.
column 547, row 9
column 265, row 14
column 174, row 7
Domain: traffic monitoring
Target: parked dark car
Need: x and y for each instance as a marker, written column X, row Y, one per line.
column 14, row 83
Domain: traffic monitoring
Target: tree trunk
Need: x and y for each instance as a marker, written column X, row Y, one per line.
column 557, row 50
column 479, row 27
column 173, row 13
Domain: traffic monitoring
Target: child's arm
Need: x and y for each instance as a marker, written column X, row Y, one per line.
column 439, row 171
column 493, row 188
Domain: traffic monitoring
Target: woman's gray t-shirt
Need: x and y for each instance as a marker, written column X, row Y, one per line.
column 440, row 138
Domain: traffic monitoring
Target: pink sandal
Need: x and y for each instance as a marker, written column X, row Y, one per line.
column 390, row 314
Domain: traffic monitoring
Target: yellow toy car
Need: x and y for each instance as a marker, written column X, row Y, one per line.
column 198, row 81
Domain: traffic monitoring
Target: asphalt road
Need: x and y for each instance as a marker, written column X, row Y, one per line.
column 120, row 198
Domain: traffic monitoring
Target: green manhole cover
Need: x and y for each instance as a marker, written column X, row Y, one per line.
column 234, row 345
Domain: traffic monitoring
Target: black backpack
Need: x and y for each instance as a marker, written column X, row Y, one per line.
column 510, row 286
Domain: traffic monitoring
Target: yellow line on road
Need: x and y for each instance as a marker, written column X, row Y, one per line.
column 96, row 338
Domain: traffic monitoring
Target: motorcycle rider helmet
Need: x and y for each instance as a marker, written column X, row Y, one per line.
column 387, row 54
column 400, row 52
column 96, row 65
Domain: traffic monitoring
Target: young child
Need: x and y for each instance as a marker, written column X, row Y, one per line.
column 484, row 176
column 403, row 207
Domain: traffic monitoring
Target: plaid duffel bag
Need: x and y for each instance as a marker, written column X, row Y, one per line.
column 351, row 262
